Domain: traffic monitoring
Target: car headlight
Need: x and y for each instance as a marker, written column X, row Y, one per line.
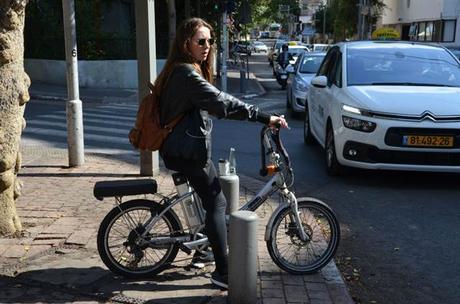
column 300, row 86
column 358, row 124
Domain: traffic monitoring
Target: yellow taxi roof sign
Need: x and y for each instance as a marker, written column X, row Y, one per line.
column 386, row 33
column 293, row 43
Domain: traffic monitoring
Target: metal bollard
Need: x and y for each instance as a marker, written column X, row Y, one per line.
column 242, row 272
column 230, row 182
column 242, row 81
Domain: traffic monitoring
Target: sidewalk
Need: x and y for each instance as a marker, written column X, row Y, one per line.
column 56, row 260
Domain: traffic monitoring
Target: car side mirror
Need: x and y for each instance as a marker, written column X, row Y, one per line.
column 290, row 69
column 319, row 81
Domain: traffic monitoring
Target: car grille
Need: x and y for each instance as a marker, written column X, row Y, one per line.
column 394, row 136
column 372, row 154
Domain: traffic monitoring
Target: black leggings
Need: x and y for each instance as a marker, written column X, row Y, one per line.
column 206, row 184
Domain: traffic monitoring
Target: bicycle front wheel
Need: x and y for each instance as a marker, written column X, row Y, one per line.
column 122, row 248
column 292, row 254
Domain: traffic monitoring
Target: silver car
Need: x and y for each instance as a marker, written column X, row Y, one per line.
column 305, row 69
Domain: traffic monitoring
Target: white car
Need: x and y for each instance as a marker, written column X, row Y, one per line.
column 258, row 47
column 298, row 83
column 386, row 105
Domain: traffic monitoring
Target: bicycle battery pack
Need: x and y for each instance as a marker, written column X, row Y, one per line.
column 191, row 206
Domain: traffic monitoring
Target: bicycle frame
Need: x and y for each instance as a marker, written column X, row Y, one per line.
column 275, row 184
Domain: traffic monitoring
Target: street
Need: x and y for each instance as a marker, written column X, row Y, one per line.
column 399, row 241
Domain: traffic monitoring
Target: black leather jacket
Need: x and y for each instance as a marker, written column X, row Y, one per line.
column 187, row 89
column 190, row 141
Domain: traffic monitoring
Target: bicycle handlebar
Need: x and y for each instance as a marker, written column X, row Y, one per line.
column 275, row 134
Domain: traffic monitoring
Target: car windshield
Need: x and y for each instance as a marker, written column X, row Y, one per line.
column 310, row 64
column 402, row 65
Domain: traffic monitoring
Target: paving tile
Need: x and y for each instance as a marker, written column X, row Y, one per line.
column 15, row 251
column 295, row 293
column 272, row 293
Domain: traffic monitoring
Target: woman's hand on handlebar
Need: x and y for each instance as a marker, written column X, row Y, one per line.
column 278, row 122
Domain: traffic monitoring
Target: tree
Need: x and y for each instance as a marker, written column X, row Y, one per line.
column 14, row 85
column 342, row 17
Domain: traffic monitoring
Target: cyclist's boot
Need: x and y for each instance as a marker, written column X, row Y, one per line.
column 201, row 259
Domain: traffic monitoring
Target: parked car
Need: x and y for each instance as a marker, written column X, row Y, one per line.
column 455, row 51
column 386, row 105
column 258, row 47
column 320, row 47
column 264, row 35
column 298, row 83
column 241, row 46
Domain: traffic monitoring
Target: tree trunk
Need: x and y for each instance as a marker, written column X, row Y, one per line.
column 172, row 21
column 14, row 85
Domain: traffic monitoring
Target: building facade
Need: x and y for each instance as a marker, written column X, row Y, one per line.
column 424, row 20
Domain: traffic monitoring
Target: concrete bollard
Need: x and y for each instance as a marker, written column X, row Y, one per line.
column 231, row 188
column 242, row 272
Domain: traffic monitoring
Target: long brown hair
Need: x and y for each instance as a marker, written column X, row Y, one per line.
column 179, row 52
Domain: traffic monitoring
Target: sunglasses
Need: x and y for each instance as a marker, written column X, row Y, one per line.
column 202, row 42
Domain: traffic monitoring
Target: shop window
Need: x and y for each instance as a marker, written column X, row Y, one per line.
column 429, row 31
column 421, row 31
column 448, row 30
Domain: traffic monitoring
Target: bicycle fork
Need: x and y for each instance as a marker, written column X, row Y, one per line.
column 292, row 200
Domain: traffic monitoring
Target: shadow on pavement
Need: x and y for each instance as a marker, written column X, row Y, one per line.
column 69, row 284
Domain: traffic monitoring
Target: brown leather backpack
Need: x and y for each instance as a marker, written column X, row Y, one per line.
column 148, row 133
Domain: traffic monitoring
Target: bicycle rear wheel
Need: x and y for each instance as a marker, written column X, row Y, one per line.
column 292, row 254
column 124, row 251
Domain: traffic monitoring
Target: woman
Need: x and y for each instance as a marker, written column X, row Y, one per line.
column 185, row 87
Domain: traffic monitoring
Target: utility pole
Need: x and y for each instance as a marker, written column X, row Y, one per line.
column 324, row 21
column 360, row 19
column 146, row 68
column 223, row 69
column 76, row 147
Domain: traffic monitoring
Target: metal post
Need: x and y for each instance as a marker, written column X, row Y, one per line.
column 242, row 81
column 146, row 68
column 223, row 70
column 75, row 141
column 242, row 275
column 360, row 19
column 324, row 21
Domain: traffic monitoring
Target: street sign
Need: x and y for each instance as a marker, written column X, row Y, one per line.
column 308, row 31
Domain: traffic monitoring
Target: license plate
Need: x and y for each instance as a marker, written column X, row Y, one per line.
column 428, row 141
column 283, row 76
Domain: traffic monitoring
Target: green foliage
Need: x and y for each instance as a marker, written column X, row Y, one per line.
column 44, row 33
column 342, row 17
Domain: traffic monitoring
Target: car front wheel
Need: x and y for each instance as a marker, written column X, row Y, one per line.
column 333, row 167
column 307, row 135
